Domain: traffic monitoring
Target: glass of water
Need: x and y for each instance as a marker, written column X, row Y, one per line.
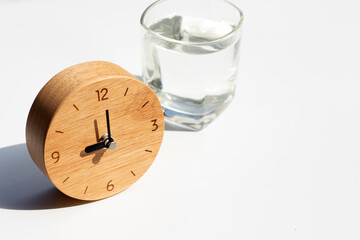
column 190, row 55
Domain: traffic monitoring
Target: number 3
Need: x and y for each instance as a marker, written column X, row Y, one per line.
column 155, row 125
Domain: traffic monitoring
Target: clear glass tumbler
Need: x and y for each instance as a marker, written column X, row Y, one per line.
column 190, row 55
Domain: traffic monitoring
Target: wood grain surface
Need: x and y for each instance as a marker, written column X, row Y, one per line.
column 69, row 114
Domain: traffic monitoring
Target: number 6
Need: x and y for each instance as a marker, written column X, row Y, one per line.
column 109, row 186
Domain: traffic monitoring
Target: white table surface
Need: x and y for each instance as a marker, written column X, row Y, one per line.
column 282, row 162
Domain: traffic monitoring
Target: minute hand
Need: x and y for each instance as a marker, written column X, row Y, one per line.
column 108, row 126
column 109, row 142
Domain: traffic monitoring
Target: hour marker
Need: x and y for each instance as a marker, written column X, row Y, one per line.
column 75, row 107
column 59, row 131
column 133, row 173
column 85, row 189
column 126, row 91
column 66, row 179
column 148, row 150
column 145, row 104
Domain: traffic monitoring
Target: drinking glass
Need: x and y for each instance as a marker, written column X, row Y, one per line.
column 190, row 55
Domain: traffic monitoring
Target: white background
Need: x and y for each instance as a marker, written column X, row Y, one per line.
column 282, row 162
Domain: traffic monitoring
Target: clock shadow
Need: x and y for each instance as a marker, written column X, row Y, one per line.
column 24, row 187
column 97, row 155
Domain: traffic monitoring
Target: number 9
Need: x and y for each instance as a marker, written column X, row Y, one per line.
column 55, row 155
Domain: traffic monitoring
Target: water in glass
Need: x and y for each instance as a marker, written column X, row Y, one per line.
column 191, row 64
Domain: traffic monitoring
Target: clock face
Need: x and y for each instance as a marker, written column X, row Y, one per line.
column 76, row 162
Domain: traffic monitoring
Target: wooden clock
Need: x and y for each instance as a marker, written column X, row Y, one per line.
column 94, row 129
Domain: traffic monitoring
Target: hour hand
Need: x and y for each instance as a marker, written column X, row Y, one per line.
column 95, row 147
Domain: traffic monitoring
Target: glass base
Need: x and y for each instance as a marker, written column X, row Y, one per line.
column 177, row 120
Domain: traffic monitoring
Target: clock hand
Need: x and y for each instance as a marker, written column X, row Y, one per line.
column 108, row 125
column 110, row 144
column 95, row 147
column 107, row 140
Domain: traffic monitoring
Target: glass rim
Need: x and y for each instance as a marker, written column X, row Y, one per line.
column 233, row 31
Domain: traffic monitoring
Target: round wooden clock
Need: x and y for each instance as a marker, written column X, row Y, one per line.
column 94, row 129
